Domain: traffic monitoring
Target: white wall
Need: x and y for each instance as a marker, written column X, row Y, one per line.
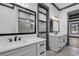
column 52, row 12
column 63, row 18
column 8, row 22
column 32, row 6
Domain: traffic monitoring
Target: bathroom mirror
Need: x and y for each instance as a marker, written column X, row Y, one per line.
column 26, row 22
column 15, row 19
column 54, row 26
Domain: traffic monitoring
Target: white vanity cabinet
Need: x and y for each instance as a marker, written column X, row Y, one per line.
column 56, row 43
column 35, row 49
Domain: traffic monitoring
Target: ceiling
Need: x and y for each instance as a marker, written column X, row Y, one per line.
column 62, row 6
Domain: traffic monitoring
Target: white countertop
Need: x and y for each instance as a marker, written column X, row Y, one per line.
column 56, row 35
column 10, row 46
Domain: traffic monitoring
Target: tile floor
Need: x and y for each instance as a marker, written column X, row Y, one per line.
column 66, row 51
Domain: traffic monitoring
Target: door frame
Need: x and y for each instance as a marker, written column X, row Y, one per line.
column 47, row 22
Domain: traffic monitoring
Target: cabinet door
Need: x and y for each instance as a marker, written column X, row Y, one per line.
column 32, row 53
column 65, row 39
column 53, row 43
column 20, row 51
column 62, row 41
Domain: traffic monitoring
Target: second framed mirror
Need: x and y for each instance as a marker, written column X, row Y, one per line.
column 54, row 26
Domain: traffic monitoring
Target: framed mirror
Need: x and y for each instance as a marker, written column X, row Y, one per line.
column 16, row 20
column 54, row 26
column 26, row 22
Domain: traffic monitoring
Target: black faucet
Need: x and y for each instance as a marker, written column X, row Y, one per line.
column 15, row 39
column 10, row 40
column 19, row 38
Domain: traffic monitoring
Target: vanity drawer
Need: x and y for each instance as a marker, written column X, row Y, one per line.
column 20, row 51
column 41, row 45
column 41, row 52
column 32, row 53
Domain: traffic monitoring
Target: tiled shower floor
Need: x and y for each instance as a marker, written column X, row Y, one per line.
column 66, row 51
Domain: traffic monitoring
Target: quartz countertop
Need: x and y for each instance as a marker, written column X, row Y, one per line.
column 25, row 42
column 56, row 35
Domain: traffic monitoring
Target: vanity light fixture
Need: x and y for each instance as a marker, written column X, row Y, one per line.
column 55, row 18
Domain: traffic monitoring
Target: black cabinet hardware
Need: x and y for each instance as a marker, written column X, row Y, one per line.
column 42, row 52
column 41, row 44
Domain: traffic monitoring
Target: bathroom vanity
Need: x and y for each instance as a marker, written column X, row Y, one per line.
column 57, row 42
column 26, row 47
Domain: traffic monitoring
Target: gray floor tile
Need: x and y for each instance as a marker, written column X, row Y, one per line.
column 66, row 51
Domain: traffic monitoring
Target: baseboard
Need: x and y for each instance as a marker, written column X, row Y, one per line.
column 61, row 48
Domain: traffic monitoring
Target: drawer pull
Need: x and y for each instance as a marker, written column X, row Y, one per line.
column 41, row 44
column 42, row 52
